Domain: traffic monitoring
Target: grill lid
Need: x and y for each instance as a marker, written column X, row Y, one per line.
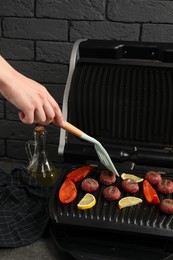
column 124, row 99
column 123, row 104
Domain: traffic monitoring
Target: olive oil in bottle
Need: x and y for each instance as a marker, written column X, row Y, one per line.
column 40, row 167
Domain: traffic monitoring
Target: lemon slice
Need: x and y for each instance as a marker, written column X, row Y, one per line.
column 87, row 202
column 128, row 202
column 131, row 176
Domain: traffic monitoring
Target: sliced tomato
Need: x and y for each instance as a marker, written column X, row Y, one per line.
column 79, row 173
column 150, row 193
column 68, row 191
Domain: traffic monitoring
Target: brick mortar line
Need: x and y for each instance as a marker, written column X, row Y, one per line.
column 140, row 33
column 106, row 10
column 35, row 9
column 32, row 40
column 2, row 29
column 68, row 31
column 82, row 20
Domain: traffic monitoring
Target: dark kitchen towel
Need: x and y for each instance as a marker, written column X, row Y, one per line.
column 23, row 208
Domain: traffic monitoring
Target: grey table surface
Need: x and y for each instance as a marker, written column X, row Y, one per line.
column 44, row 248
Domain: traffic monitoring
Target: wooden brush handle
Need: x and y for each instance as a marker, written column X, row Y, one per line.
column 70, row 128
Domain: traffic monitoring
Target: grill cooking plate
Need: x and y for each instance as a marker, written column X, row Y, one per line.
column 143, row 218
column 107, row 231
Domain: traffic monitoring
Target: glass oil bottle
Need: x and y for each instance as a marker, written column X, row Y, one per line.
column 40, row 167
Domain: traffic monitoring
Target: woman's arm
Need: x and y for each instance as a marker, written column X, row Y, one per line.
column 33, row 100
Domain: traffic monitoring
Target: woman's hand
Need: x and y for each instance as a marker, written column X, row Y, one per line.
column 35, row 103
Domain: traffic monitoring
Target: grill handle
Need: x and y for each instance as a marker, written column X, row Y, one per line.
column 161, row 159
column 151, row 158
column 79, row 152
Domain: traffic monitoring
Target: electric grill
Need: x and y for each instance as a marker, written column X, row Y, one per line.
column 122, row 94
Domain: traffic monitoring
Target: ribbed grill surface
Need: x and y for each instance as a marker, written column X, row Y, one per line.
column 142, row 218
column 126, row 103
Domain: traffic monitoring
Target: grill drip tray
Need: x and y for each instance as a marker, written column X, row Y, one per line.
column 88, row 244
column 138, row 232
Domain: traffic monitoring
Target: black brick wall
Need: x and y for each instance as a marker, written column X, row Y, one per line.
column 36, row 37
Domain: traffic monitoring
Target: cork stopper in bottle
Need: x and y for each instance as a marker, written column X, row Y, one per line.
column 40, row 129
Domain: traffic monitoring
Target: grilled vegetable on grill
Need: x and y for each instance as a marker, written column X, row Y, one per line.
column 153, row 177
column 107, row 177
column 165, row 186
column 68, row 191
column 79, row 173
column 150, row 193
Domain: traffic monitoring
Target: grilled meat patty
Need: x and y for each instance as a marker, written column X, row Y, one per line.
column 89, row 185
column 107, row 177
column 130, row 186
column 166, row 206
column 111, row 193
column 153, row 177
column 165, row 186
